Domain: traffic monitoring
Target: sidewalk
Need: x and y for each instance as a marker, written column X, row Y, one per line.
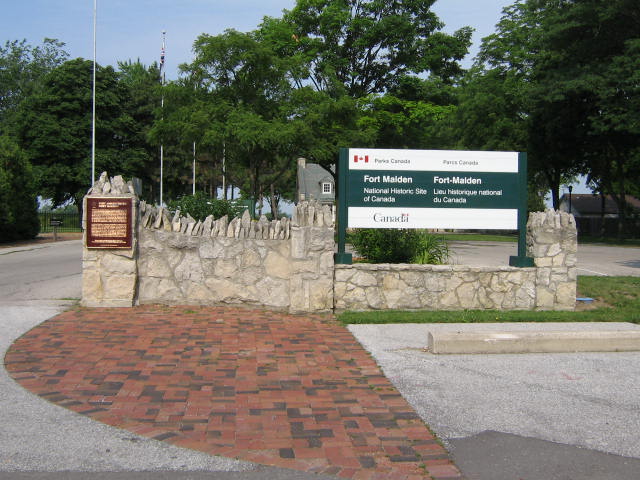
column 281, row 390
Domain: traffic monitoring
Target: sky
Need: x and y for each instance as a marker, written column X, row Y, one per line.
column 132, row 29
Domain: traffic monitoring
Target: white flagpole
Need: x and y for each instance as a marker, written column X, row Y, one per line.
column 162, row 77
column 194, row 168
column 93, row 114
column 224, row 173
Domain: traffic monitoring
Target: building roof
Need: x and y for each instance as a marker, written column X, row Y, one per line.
column 311, row 176
column 591, row 204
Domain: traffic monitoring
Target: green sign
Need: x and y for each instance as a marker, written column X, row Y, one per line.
column 432, row 189
column 375, row 188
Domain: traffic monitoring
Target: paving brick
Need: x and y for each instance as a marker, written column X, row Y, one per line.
column 283, row 390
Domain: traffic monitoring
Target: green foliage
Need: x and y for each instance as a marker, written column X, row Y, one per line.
column 432, row 250
column 400, row 123
column 141, row 97
column 18, row 204
column 200, row 206
column 362, row 47
column 499, row 103
column 244, row 104
column 54, row 126
column 592, row 82
column 22, row 68
column 382, row 245
column 551, row 83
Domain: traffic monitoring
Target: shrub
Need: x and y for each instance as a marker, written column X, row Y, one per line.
column 200, row 206
column 18, row 204
column 399, row 246
column 432, row 250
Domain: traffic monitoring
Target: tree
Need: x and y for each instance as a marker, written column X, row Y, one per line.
column 342, row 56
column 501, row 102
column 141, row 100
column 53, row 125
column 299, row 85
column 18, row 203
column 590, row 70
column 22, row 67
column 559, row 79
column 401, row 123
column 361, row 47
column 247, row 99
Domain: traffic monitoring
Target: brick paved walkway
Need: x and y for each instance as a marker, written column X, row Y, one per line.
column 276, row 389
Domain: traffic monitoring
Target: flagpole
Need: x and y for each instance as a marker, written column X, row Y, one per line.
column 93, row 113
column 162, row 78
column 194, row 168
column 224, row 172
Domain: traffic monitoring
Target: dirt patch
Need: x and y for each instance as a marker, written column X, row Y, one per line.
column 593, row 305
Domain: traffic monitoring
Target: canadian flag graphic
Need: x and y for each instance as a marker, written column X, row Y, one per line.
column 360, row 158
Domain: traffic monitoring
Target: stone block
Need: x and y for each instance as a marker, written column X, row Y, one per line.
column 155, row 266
column 545, row 298
column 226, row 268
column 467, row 295
column 115, row 264
column 364, row 279
column 92, row 288
column 121, row 288
column 277, row 266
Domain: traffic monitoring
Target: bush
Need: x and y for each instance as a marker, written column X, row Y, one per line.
column 432, row 250
column 200, row 206
column 399, row 246
column 18, row 203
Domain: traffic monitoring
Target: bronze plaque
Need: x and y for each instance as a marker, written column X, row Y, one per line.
column 109, row 222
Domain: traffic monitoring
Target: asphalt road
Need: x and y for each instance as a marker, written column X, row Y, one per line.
column 592, row 259
column 46, row 274
column 510, row 417
column 529, row 417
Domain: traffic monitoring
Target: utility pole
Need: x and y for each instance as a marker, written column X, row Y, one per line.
column 93, row 113
column 162, row 78
column 224, row 172
column 194, row 168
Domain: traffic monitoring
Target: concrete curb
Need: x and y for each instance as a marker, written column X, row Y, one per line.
column 484, row 342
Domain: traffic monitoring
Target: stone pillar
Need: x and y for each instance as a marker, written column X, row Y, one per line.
column 552, row 241
column 312, row 248
column 109, row 276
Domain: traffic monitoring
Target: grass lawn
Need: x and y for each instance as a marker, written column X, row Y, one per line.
column 477, row 237
column 481, row 237
column 617, row 299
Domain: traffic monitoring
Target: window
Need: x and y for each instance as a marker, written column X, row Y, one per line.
column 326, row 188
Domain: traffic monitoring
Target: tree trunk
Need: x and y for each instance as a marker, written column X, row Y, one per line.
column 273, row 201
column 553, row 180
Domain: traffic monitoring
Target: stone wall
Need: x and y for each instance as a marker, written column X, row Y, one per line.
column 281, row 264
column 550, row 285
column 288, row 265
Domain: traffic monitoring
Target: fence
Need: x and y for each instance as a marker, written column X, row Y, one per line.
column 66, row 222
column 607, row 227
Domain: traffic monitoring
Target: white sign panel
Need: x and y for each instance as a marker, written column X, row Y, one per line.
column 432, row 160
column 450, row 218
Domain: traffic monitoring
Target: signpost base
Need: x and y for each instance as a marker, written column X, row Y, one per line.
column 521, row 262
column 343, row 258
